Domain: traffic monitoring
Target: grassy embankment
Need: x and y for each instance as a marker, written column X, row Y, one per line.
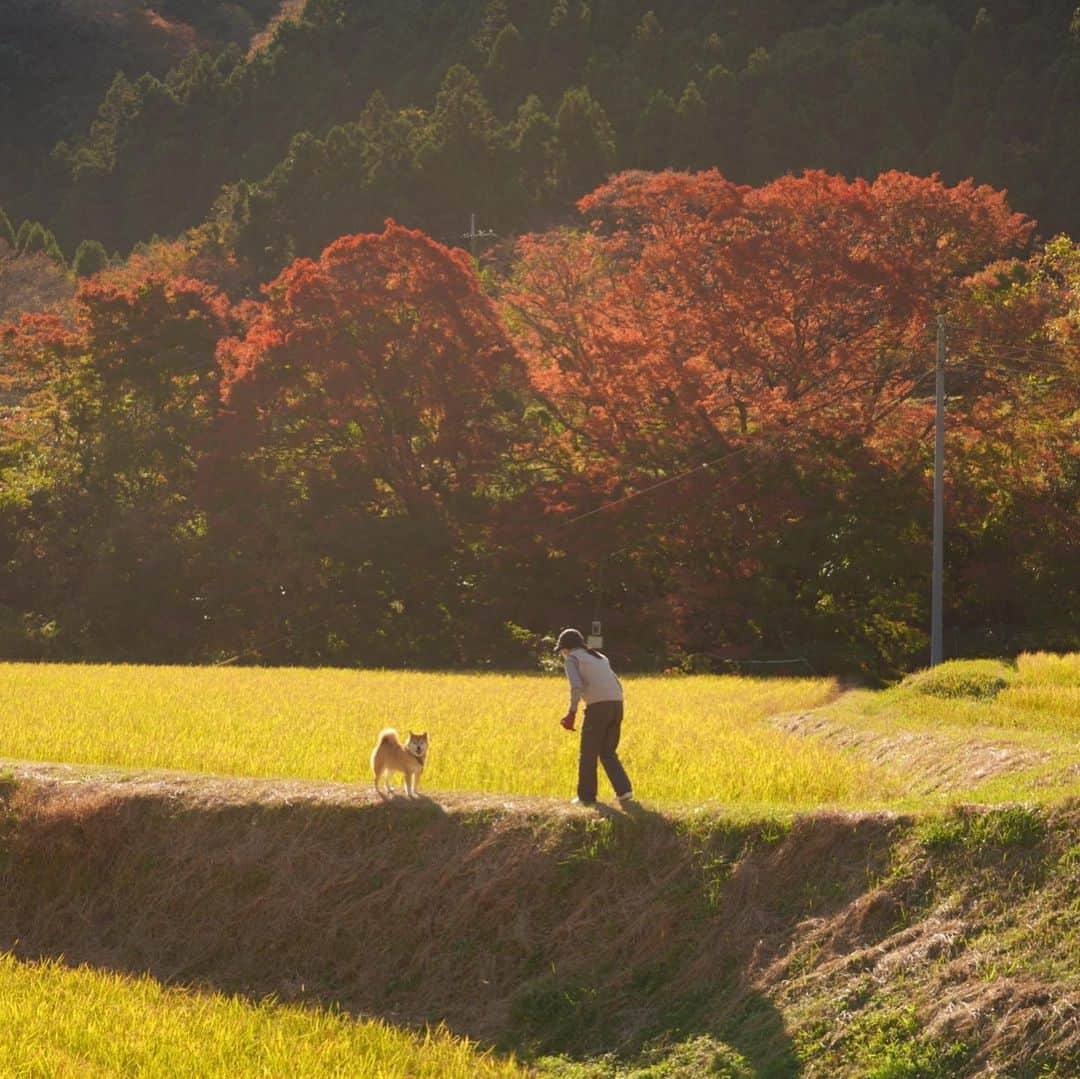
column 751, row 943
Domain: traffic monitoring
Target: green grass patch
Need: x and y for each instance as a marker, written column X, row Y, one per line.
column 980, row 679
column 1041, row 694
column 716, row 844
column 977, row 832
column 552, row 1013
column 891, row 1045
column 694, row 1058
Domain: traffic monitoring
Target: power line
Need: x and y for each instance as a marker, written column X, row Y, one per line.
column 700, row 467
column 1002, row 368
column 1026, row 361
column 760, row 439
column 1042, row 353
column 270, row 644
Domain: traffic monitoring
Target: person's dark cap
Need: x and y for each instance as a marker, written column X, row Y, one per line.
column 570, row 638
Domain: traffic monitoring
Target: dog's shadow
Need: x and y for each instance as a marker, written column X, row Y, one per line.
column 419, row 802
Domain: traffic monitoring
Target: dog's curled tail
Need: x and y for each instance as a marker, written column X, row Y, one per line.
column 388, row 734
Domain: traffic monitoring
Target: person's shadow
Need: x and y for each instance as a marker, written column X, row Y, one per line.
column 722, row 1018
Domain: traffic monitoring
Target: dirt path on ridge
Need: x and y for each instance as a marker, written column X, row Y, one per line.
column 197, row 789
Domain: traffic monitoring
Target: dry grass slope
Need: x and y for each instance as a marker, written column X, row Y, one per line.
column 818, row 946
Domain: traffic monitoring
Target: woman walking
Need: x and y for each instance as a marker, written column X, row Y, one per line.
column 593, row 681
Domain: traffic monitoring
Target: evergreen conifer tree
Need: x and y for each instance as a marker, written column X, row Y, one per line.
column 90, row 258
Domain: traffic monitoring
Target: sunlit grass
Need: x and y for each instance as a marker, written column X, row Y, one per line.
column 685, row 739
column 1041, row 693
column 57, row 1021
column 1031, row 706
column 1046, row 667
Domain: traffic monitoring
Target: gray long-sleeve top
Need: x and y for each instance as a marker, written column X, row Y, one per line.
column 591, row 678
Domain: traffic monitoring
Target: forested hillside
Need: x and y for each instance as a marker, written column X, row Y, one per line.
column 358, row 111
column 688, row 399
column 58, row 57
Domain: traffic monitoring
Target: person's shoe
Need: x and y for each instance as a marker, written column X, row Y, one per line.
column 627, row 797
column 581, row 802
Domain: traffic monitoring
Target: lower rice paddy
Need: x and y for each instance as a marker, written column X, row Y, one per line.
column 56, row 1021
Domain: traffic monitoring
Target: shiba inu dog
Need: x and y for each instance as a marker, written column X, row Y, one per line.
column 390, row 756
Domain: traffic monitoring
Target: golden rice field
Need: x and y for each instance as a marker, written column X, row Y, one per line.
column 685, row 739
column 57, row 1022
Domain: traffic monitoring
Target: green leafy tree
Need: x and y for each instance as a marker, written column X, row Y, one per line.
column 117, row 409
column 38, row 240
column 566, row 44
column 492, row 23
column 457, row 154
column 533, row 146
column 650, row 46
column 693, row 144
column 506, row 65
column 22, row 236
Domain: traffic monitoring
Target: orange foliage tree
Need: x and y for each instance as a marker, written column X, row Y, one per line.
column 782, row 333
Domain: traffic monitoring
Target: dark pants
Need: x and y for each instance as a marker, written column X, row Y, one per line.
column 599, row 739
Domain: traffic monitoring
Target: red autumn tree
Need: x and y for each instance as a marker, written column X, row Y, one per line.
column 370, row 404
column 695, row 312
column 382, row 358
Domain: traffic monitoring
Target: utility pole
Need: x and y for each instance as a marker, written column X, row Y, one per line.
column 936, row 630
column 474, row 234
column 596, row 627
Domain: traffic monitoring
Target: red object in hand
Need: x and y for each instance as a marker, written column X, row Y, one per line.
column 568, row 720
